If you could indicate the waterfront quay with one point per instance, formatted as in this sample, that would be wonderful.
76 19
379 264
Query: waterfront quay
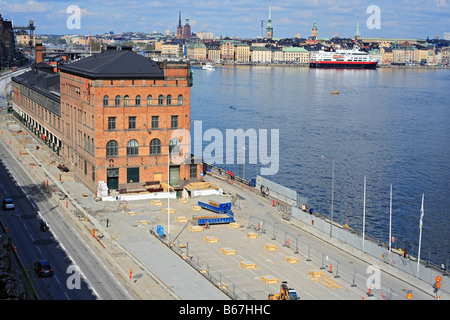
246 260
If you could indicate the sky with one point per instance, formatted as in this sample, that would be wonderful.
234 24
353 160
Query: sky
240 18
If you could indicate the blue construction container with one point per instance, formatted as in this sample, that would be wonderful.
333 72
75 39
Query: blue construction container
224 207
216 219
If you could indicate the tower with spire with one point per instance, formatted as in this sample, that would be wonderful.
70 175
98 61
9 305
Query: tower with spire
179 28
357 35
269 28
314 31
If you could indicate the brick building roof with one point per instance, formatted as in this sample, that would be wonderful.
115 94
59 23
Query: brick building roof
115 64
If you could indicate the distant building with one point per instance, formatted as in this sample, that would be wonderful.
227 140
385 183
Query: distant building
260 54
387 55
227 50
196 50
241 52
296 54
446 35
170 49
276 54
7 43
213 52
205 35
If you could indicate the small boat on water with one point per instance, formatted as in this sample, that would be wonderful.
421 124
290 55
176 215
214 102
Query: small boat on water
335 92
208 66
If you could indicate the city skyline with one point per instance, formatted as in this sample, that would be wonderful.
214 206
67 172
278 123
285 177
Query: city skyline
402 19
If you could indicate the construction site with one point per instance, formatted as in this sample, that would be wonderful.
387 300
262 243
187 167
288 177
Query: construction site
215 234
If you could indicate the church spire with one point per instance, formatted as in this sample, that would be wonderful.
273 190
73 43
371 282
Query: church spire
269 28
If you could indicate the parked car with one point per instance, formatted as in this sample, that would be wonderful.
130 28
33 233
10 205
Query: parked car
43 268
8 204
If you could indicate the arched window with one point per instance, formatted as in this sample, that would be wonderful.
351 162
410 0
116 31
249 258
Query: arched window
155 147
180 100
160 100
105 101
132 148
117 101
169 100
149 100
138 100
112 148
126 101
174 146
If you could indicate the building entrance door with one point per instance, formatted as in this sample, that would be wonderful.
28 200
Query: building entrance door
112 180
174 175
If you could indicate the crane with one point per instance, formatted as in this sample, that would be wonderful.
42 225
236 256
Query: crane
31 28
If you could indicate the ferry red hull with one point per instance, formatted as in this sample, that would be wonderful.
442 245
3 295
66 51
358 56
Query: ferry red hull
343 64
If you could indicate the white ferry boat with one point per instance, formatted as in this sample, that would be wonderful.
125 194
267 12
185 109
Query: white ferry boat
208 66
347 59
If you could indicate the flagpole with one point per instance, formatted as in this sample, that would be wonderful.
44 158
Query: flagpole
390 227
364 214
420 236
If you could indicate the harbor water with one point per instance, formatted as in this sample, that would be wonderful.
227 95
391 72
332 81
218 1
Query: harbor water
388 125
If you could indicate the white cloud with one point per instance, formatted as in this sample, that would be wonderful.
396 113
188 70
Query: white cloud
30 6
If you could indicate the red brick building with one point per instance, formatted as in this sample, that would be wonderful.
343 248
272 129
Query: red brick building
118 118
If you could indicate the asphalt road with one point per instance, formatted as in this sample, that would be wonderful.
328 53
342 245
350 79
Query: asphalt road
78 273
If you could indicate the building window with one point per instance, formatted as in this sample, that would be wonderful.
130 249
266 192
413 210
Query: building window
155 147
126 101
105 101
174 122
160 100
131 123
132 175
174 146
169 100
138 100
132 148
193 171
149 100
112 149
117 101
155 122
180 100
111 123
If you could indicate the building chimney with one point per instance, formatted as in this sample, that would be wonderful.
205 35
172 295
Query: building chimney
39 51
